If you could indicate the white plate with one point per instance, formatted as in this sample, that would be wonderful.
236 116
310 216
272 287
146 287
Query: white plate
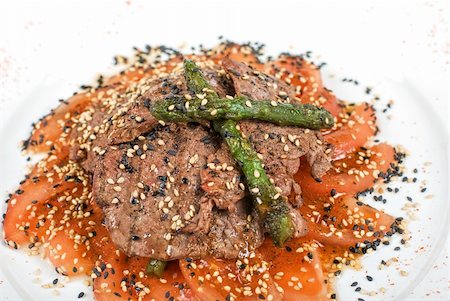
49 49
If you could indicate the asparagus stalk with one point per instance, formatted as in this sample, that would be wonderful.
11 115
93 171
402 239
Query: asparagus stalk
241 107
270 205
156 267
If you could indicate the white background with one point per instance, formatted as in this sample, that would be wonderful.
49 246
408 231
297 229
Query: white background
65 44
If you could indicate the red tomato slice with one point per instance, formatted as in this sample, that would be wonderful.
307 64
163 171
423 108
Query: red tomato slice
69 251
21 217
242 279
122 278
42 213
355 126
354 174
50 127
344 221
296 269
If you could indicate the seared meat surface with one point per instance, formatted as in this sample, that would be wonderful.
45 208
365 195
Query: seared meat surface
170 191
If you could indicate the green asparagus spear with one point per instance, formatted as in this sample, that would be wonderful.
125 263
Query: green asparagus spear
241 107
270 205
207 105
273 209
156 267
195 80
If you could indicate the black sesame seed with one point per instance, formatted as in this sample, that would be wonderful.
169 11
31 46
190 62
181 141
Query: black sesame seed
172 152
80 295
369 278
354 284
333 192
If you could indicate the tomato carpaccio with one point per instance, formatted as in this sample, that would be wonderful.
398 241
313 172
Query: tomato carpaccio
53 211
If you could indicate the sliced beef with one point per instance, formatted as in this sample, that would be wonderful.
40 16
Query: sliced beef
280 146
135 117
221 180
151 193
255 84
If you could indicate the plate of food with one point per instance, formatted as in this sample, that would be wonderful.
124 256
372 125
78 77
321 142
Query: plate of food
222 173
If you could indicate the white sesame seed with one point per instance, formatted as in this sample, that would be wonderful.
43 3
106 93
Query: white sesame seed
255 190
